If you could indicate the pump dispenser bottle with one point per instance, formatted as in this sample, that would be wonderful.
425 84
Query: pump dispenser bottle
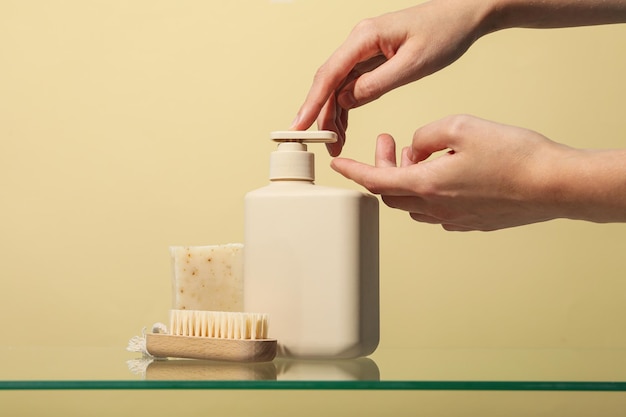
311 257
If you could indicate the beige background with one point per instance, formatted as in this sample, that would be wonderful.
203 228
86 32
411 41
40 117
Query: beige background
129 126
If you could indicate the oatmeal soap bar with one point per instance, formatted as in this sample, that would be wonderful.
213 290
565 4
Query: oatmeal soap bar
207 277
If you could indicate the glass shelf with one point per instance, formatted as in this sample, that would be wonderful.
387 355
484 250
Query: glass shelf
92 368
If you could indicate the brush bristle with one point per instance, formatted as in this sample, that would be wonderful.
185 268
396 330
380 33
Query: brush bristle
218 324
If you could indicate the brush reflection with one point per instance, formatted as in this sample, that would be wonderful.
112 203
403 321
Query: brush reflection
280 369
201 370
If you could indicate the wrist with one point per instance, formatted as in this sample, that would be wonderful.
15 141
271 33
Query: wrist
506 14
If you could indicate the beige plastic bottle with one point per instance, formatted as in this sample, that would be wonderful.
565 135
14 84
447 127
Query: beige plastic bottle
311 257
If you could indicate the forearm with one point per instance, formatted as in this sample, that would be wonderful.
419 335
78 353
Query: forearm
590 185
552 13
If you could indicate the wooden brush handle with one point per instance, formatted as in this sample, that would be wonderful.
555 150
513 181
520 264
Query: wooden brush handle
192 347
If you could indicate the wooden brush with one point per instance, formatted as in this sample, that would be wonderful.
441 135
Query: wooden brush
214 335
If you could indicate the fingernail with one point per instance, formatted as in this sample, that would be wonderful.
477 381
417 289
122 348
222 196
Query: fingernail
346 100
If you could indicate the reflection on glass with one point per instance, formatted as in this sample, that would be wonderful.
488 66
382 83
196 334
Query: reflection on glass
362 369
201 370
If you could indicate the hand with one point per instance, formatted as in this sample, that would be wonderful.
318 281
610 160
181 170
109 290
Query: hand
394 49
386 52
490 177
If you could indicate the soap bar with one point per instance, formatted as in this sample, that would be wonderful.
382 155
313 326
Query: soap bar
207 277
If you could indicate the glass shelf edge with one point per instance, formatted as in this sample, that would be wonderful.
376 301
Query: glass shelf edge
316 385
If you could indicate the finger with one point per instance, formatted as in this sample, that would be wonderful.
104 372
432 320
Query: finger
339 125
456 228
423 218
329 120
334 149
343 119
390 72
331 75
411 203
385 155
429 139
327 115
405 161
345 92
378 180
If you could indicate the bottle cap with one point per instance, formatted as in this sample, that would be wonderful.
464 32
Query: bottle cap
291 161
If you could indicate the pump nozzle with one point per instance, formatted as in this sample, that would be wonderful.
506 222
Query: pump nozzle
291 161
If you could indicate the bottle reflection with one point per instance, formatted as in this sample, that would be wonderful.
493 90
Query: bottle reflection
361 369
